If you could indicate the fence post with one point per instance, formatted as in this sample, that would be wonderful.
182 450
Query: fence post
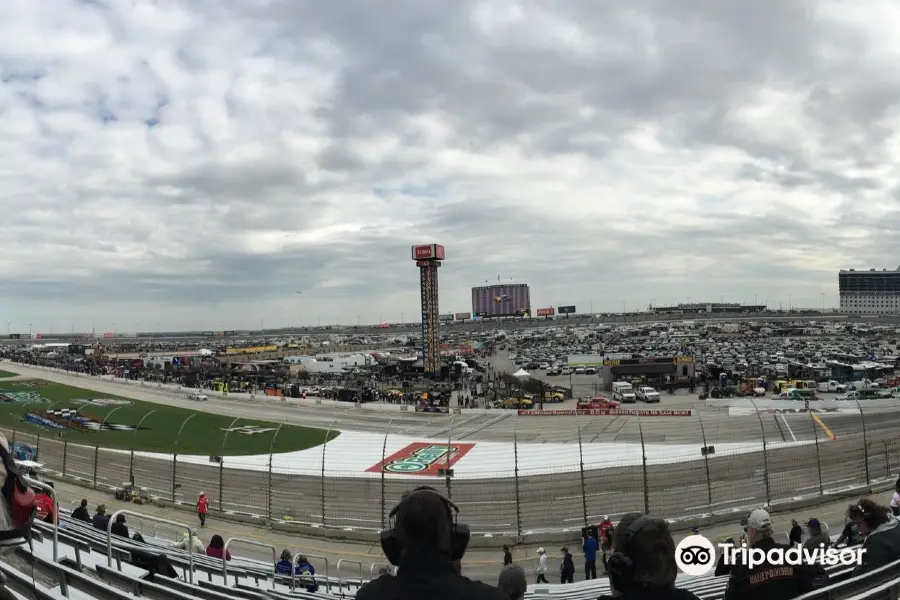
584 511
37 446
13 437
447 477
765 450
862 417
65 455
516 478
322 476
706 460
387 432
97 443
222 465
269 492
644 468
818 456
175 455
133 441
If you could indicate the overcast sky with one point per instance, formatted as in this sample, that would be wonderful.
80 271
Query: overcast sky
170 163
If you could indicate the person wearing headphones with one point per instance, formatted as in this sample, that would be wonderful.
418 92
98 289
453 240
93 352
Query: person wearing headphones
881 530
424 540
767 581
642 566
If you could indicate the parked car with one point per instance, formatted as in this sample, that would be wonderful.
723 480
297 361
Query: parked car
648 394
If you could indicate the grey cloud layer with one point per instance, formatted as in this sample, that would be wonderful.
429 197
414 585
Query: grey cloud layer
198 160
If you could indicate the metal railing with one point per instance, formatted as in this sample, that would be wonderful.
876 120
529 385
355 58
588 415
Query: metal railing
297 556
55 522
112 520
250 543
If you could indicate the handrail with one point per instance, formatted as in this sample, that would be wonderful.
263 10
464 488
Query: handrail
251 543
55 522
294 569
112 519
349 561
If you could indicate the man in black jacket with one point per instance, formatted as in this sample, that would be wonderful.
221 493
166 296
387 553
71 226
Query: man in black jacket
81 513
567 568
796 535
423 525
767 581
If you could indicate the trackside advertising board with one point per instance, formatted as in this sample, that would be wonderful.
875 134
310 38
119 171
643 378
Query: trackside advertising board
605 411
422 458
546 312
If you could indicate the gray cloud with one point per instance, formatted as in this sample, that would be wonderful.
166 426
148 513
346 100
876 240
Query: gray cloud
192 161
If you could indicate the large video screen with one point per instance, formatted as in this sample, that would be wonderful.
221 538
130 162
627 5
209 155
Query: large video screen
510 300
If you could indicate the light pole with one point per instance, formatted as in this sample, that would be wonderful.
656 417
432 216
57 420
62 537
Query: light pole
7 328
823 302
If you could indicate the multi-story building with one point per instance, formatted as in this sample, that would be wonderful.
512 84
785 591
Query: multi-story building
870 292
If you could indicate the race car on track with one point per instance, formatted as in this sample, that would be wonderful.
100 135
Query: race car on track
597 403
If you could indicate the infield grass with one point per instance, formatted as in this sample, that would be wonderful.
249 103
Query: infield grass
7 374
203 434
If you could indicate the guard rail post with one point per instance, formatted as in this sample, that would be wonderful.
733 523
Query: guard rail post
341 578
322 474
294 570
251 543
65 456
383 482
112 519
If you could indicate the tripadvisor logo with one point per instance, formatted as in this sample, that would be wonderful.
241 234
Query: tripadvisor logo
422 459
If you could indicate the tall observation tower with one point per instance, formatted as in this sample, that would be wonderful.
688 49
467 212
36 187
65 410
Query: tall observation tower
428 258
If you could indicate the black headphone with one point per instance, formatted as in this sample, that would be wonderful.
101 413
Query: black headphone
459 533
620 566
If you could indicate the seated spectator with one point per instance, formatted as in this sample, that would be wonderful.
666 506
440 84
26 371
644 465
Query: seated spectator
216 548
119 528
817 537
643 565
81 513
882 534
192 543
849 535
286 564
767 581
423 541
101 520
512 582
307 572
721 567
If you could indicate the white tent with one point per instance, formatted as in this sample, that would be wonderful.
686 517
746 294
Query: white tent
521 373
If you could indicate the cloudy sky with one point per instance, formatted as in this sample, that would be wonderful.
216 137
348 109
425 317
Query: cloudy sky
196 163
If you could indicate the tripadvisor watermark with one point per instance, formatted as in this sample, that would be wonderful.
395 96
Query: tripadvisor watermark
696 555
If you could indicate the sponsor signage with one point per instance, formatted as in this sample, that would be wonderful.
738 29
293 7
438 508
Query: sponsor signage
428 252
248 429
251 350
565 310
422 458
15 336
446 318
605 411
684 360
546 312
108 335
432 409
230 332
207 333
463 316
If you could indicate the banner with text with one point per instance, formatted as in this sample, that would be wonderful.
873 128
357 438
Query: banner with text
463 316
546 312
616 412
566 310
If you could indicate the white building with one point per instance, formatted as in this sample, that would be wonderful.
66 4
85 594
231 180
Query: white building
869 292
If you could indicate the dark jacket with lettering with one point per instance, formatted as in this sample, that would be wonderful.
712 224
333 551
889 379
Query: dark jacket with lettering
882 547
427 575
653 593
768 581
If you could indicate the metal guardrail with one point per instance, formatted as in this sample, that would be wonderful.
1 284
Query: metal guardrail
52 493
112 520
324 559
251 543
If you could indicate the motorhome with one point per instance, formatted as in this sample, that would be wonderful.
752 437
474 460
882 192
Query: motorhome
623 391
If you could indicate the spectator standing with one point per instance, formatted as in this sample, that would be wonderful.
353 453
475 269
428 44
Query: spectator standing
643 564
81 513
567 568
881 530
101 520
589 546
202 508
507 556
817 538
796 535
542 566
216 548
119 527
766 581
895 500
512 582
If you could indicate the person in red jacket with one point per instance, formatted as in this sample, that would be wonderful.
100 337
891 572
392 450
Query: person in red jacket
202 508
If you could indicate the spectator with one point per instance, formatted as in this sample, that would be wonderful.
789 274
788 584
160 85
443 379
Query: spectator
119 528
307 574
881 531
216 548
895 500
849 535
512 582
45 507
796 535
817 538
192 543
101 520
202 508
423 542
606 529
507 556
286 564
721 567
542 566
589 547
643 562
81 513
567 568
766 581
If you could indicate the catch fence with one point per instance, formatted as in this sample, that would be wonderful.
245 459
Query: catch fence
524 488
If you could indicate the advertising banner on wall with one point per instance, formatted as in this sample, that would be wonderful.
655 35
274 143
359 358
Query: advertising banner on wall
463 316
604 412
448 318
545 312
566 310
